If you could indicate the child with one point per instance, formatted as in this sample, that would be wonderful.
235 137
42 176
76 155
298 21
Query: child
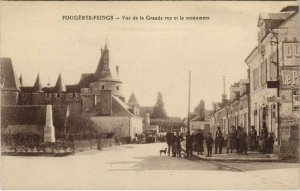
209 142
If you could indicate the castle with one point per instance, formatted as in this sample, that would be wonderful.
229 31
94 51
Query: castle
98 95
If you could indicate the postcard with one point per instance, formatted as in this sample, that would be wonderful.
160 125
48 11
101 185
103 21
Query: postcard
170 95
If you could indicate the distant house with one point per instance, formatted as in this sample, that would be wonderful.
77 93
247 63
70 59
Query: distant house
196 124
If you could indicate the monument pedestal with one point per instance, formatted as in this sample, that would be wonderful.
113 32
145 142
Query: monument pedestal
49 131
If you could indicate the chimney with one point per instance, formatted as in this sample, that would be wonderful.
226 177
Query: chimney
117 69
49 131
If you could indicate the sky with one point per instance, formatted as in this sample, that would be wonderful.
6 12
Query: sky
152 55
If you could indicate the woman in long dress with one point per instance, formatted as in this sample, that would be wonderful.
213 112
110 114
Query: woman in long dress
253 137
199 138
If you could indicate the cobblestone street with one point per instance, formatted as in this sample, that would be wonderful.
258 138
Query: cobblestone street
141 167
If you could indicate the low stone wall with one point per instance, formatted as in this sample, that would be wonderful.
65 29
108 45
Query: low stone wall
61 147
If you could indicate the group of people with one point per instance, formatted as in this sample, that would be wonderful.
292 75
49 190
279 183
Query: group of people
174 143
194 142
264 143
237 139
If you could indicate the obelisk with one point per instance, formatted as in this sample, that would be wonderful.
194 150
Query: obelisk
49 131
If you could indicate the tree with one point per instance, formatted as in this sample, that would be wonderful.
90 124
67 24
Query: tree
81 126
158 109
200 110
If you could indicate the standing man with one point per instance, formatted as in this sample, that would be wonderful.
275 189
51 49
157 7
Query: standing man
177 145
170 139
264 137
189 144
209 143
238 139
243 142
232 138
219 140
270 143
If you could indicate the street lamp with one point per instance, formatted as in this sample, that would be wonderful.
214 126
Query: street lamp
276 42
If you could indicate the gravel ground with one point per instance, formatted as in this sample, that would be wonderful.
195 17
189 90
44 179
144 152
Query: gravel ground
141 167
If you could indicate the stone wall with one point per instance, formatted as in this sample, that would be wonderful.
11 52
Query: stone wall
9 97
119 125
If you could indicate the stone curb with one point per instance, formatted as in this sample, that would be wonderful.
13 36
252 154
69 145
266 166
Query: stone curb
272 159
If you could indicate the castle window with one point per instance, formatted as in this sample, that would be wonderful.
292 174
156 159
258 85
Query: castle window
103 87
58 94
118 88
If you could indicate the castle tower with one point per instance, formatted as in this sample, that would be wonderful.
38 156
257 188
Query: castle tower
133 104
103 70
10 84
106 78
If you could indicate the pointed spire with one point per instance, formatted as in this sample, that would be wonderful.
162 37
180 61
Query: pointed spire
103 71
21 80
60 86
37 85
132 100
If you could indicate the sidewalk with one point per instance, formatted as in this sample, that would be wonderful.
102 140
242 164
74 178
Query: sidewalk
253 156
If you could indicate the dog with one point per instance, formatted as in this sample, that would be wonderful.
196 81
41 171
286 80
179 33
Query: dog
163 151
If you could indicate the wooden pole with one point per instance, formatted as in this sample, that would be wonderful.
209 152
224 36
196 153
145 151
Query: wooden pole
189 104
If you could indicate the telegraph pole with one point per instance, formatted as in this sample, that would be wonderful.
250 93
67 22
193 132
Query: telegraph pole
274 34
188 114
189 104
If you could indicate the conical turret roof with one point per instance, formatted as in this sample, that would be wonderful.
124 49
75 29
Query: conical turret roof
9 80
59 86
103 72
132 100
37 85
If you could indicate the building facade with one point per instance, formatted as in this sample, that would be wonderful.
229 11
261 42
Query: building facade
270 96
232 112
274 74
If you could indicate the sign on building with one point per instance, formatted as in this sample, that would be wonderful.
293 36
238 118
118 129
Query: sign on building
290 78
290 54
285 132
296 99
